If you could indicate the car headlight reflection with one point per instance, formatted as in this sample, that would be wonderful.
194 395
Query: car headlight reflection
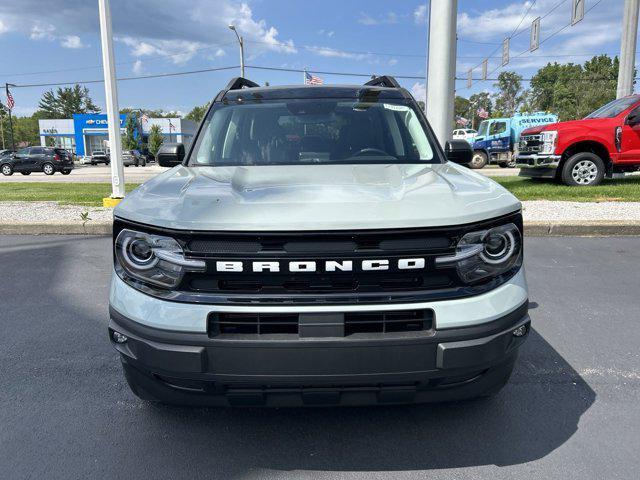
153 259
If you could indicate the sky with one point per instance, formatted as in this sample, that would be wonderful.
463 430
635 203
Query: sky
59 41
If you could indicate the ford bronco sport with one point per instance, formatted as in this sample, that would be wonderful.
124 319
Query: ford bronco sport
314 246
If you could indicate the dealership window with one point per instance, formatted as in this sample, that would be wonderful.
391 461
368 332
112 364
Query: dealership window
61 141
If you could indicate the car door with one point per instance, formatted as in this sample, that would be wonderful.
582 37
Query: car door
498 138
37 156
630 141
21 160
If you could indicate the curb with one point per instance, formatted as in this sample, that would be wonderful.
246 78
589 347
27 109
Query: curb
593 228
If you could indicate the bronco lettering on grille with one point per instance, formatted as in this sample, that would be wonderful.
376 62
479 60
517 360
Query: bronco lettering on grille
309 266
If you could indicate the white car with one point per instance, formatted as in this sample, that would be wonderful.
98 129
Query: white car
316 246
467 134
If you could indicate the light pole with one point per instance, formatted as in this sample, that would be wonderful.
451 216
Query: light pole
628 48
441 67
111 99
241 42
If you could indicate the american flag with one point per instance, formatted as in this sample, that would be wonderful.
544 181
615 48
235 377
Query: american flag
312 79
172 127
10 102
144 118
462 121
482 113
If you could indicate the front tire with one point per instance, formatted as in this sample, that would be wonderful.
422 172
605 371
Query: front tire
479 160
7 170
48 169
583 169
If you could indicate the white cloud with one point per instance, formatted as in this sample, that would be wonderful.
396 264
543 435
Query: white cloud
41 31
71 41
137 67
420 14
203 25
368 20
419 91
334 53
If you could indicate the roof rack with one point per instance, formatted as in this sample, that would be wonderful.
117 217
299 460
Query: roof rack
239 82
383 81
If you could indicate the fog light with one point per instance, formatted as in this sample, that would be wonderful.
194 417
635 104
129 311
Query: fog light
120 338
518 332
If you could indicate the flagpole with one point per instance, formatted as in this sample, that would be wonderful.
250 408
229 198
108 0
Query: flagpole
13 142
2 125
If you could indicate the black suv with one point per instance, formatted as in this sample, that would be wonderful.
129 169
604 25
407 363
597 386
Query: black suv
37 159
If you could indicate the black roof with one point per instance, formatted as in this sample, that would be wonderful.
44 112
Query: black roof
372 90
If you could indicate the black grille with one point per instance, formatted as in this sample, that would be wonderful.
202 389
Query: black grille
350 323
388 322
322 286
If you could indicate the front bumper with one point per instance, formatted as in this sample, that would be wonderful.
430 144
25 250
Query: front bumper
539 166
195 369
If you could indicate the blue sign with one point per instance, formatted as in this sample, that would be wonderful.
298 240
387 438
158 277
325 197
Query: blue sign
92 124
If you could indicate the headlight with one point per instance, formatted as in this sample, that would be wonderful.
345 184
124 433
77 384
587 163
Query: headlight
486 253
548 141
153 259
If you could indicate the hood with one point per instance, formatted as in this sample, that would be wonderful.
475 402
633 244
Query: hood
316 197
569 124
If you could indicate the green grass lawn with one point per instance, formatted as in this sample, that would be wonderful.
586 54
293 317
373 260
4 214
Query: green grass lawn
89 194
622 190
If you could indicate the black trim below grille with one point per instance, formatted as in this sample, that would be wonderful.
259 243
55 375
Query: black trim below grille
296 325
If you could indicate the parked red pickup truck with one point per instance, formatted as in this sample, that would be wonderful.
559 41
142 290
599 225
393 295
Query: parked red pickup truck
583 152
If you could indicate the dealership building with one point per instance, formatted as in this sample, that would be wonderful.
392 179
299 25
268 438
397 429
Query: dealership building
87 132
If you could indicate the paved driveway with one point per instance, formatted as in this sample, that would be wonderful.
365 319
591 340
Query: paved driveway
571 411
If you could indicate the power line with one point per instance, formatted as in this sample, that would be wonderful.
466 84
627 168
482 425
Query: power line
124 79
146 59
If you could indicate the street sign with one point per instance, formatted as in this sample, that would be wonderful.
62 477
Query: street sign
484 69
577 11
505 51
470 78
535 35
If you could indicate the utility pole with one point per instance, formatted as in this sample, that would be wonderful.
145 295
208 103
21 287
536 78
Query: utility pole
111 98
241 42
441 67
628 48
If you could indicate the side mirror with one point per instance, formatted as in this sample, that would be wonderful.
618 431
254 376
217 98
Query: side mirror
458 151
633 118
170 154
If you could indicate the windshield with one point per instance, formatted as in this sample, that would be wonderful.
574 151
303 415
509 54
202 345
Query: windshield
319 131
482 129
615 108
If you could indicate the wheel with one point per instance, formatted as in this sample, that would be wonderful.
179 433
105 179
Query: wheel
66 172
25 173
48 169
93 163
144 163
7 170
479 160
584 169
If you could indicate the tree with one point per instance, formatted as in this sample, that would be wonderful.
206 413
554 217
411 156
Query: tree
67 101
509 95
129 141
198 112
461 108
155 139
478 101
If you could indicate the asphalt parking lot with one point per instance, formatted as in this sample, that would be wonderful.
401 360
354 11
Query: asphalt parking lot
571 411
